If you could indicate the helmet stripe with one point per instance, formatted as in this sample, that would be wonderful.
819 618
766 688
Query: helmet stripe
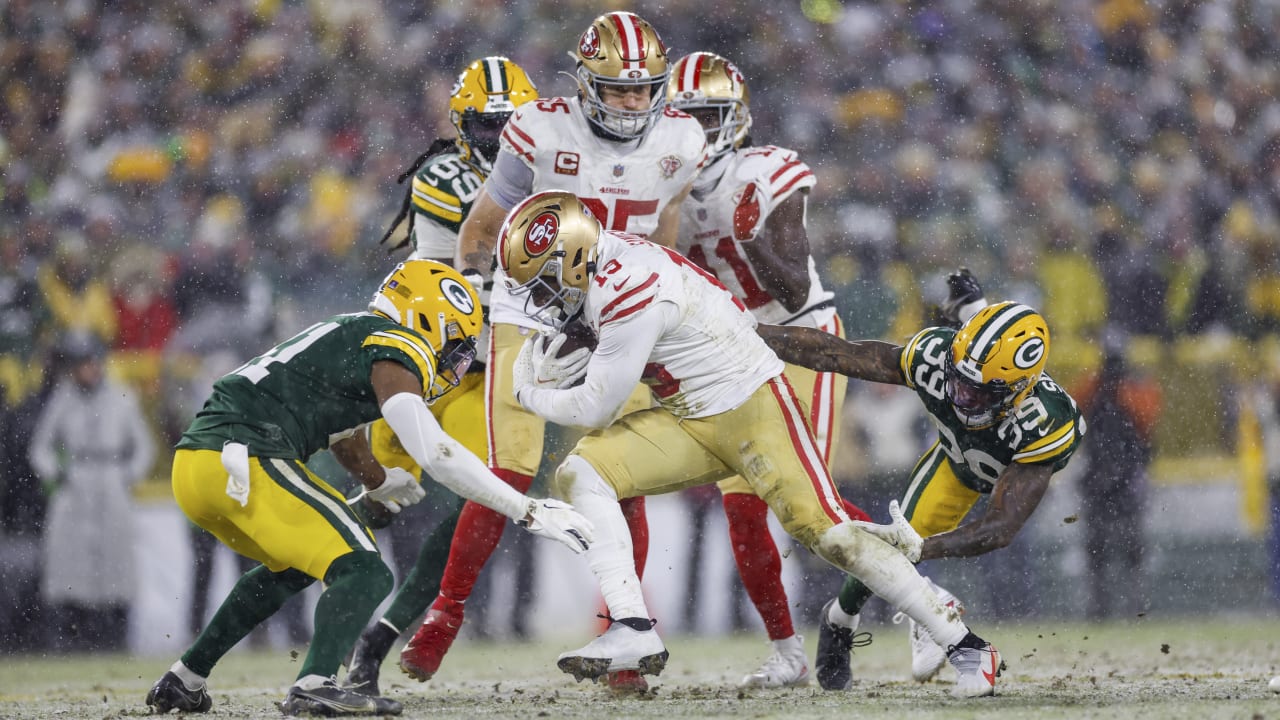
693 72
628 27
994 328
495 77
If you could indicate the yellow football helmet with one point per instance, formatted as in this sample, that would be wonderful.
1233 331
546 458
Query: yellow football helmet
547 248
711 89
484 96
435 301
621 49
995 361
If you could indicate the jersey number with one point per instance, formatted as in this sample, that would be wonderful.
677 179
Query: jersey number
624 210
727 250
468 184
259 367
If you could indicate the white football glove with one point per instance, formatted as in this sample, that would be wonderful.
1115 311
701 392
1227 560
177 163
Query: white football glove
898 533
483 288
399 489
559 521
538 366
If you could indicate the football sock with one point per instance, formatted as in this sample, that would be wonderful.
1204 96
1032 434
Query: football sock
638 524
257 595
355 585
610 557
422 583
758 562
477 535
853 595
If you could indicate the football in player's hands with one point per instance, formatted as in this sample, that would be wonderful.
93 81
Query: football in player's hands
578 335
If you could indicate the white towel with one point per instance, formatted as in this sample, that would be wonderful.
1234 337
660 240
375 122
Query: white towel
235 458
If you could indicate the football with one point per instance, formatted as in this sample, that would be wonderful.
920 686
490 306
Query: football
578 335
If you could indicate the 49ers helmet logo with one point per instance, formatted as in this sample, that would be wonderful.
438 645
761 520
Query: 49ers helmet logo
541 234
589 44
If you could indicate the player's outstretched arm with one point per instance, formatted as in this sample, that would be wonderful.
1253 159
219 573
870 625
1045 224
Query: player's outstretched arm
668 230
1016 495
452 465
823 352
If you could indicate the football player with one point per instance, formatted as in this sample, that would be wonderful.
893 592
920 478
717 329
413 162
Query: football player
446 180
724 407
1004 428
238 472
632 159
744 222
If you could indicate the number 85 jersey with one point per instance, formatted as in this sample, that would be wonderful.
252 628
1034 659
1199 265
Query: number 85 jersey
1044 429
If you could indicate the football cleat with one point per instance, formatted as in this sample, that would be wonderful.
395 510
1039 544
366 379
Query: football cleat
366 659
328 699
627 682
835 645
169 693
786 666
927 656
421 658
621 647
976 668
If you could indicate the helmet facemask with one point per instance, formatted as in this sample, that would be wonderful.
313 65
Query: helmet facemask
548 299
979 405
481 131
457 352
616 122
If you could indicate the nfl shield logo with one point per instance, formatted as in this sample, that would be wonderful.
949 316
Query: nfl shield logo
702 214
618 170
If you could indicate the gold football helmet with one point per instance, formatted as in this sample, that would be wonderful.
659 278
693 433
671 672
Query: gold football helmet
711 89
435 301
995 361
621 49
547 248
484 96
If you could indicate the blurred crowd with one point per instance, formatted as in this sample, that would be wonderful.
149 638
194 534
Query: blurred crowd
189 180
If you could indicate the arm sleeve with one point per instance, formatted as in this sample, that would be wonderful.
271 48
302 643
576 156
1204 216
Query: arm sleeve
510 182
616 366
446 460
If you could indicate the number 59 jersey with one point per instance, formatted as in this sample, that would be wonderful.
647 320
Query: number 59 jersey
626 185
1045 429
309 390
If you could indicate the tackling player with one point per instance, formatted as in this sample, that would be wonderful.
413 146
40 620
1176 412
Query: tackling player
744 222
724 407
446 180
1004 428
632 159
238 472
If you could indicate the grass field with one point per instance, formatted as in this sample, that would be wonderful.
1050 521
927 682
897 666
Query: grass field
1140 669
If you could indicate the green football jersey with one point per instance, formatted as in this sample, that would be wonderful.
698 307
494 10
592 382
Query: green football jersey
309 390
1045 429
443 191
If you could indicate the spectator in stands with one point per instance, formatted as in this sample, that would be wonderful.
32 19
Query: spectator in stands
91 445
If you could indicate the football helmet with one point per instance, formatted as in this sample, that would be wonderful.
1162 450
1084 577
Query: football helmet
435 301
995 361
711 89
547 249
482 100
621 49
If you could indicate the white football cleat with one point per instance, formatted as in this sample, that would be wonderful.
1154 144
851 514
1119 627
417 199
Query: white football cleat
927 656
786 666
976 670
621 647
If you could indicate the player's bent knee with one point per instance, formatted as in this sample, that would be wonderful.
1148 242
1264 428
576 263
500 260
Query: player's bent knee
576 477
841 545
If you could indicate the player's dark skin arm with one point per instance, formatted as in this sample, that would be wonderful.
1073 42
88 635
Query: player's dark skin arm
1015 497
353 453
823 352
478 235
775 249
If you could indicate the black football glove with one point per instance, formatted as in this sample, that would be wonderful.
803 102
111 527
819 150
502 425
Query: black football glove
963 291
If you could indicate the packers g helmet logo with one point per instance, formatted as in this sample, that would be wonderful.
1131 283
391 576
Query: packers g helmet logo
541 234
457 295
1029 353
589 44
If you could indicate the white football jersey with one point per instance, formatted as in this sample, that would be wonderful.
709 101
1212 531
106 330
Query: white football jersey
708 364
715 222
625 185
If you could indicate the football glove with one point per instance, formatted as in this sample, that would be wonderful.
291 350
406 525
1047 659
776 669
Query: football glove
483 288
559 521
964 297
897 533
538 366
399 489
